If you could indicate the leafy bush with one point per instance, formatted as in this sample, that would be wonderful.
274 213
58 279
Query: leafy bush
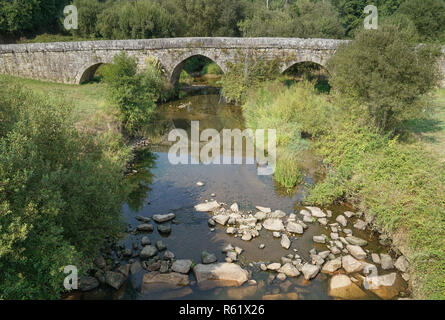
246 75
212 68
135 94
384 76
60 194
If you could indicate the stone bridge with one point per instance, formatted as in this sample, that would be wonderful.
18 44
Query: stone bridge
76 62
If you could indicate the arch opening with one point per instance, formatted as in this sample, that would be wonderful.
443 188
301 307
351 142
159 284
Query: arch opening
93 73
308 70
196 70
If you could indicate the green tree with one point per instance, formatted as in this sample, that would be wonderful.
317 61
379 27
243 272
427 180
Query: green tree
384 75
135 94
61 192
88 11
428 16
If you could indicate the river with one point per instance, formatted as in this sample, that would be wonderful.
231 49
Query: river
173 188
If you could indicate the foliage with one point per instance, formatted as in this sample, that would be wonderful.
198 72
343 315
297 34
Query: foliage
60 194
88 12
135 94
290 111
427 15
211 68
136 20
304 19
28 17
384 76
245 75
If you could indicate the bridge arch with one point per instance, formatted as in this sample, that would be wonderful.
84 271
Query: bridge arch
180 63
314 59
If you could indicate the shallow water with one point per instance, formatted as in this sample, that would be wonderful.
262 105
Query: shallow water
173 188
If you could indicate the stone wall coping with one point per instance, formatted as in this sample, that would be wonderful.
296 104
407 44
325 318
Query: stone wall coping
175 43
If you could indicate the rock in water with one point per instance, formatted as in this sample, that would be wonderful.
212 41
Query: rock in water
160 218
208 258
182 266
310 271
294 227
234 207
219 275
148 252
221 219
273 224
340 286
145 227
351 265
316 212
164 228
386 261
88 283
285 242
114 279
155 281
289 270
207 206
356 241
342 220
331 266
356 251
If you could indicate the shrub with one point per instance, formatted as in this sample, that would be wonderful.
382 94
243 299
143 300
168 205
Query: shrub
60 194
135 94
243 76
384 76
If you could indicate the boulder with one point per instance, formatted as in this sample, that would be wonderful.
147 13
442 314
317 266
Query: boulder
331 266
385 286
386 261
289 270
164 228
260 215
356 251
294 227
234 207
208 258
160 218
360 224
114 279
340 286
155 281
285 242
219 275
273 224
274 266
316 212
221 219
342 220
356 241
145 227
87 283
207 206
148 252
401 264
351 265
319 239
310 271
145 241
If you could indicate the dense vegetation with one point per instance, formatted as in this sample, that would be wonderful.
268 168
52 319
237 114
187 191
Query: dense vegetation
371 158
61 191
135 93
112 19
